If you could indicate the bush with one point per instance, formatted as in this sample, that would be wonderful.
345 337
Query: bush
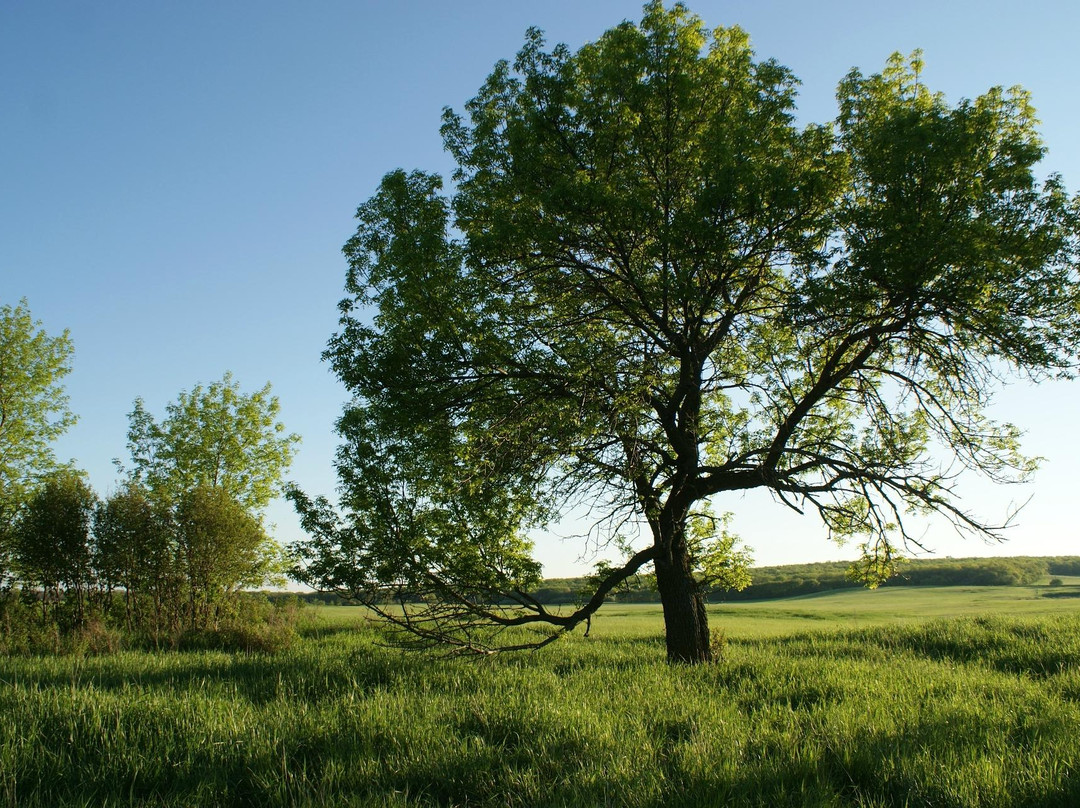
249 623
256 625
265 638
718 644
94 637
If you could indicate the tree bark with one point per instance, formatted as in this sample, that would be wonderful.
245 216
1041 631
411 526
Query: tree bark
685 622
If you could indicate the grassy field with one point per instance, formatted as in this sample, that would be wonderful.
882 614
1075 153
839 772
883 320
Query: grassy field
899 697
850 608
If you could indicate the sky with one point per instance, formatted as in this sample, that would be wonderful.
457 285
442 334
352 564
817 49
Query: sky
177 180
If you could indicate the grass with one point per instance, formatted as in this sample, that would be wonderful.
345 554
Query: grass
890 698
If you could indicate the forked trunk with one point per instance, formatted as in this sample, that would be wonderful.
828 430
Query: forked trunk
685 622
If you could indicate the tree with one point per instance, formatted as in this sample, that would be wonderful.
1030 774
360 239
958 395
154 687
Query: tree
221 549
52 541
33 406
214 436
135 549
651 289
207 469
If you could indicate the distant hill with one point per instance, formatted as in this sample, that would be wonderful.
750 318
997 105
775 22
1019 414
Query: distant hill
771 583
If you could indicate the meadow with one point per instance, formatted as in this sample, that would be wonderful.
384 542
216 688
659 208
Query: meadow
895 697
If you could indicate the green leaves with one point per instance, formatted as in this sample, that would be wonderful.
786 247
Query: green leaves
33 406
944 220
719 562
197 483
220 546
51 537
213 436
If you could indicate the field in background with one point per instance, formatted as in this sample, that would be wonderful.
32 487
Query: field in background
944 697
829 611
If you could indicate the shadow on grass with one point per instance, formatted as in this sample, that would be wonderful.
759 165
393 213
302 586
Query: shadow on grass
258 679
1038 648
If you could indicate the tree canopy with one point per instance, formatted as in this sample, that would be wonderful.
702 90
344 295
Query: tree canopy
221 548
33 405
51 540
651 288
213 436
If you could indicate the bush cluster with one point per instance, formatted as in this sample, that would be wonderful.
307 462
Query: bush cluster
82 574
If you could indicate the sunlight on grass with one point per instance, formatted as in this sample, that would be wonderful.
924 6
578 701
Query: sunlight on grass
885 698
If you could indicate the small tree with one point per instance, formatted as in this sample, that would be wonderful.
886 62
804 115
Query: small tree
221 548
135 549
33 407
52 541
651 289
213 462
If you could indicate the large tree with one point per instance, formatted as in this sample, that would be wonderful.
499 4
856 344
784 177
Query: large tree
33 406
651 289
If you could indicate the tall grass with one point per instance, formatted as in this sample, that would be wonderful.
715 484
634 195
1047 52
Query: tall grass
976 711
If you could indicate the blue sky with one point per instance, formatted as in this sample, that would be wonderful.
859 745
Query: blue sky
177 179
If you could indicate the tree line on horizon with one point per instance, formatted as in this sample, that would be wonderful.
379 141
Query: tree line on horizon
791 580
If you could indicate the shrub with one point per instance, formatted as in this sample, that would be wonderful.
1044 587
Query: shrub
255 625
94 637
265 638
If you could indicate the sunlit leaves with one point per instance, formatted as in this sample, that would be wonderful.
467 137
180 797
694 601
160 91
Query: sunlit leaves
719 562
214 436
51 537
33 405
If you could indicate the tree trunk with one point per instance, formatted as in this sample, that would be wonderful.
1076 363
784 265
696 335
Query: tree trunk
685 621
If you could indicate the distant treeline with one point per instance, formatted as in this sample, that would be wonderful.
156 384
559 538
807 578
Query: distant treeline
804 579
769 583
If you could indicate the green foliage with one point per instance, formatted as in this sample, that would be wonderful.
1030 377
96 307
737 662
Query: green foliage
33 408
650 289
52 541
793 580
167 552
135 550
221 548
1064 565
196 484
719 563
878 563
248 623
975 572
213 436
148 573
255 626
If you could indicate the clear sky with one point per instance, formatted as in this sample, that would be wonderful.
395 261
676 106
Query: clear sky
177 179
